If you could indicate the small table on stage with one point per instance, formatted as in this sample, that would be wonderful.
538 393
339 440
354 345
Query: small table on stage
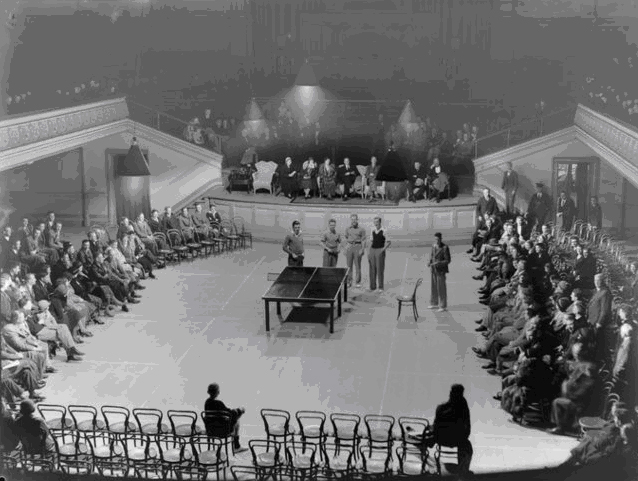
308 285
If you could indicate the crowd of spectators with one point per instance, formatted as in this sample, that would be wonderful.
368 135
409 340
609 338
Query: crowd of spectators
50 292
554 333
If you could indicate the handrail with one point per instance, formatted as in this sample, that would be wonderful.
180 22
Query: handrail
169 124
525 131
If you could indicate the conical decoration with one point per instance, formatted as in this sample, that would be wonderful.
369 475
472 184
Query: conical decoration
135 164
408 115
253 112
306 76
392 169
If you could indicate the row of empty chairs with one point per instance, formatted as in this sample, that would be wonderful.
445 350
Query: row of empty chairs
145 443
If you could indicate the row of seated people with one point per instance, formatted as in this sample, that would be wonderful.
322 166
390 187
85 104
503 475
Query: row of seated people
550 330
49 295
328 181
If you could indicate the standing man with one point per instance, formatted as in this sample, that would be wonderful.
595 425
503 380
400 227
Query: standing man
539 207
376 255
293 246
438 264
595 214
599 315
331 244
355 247
485 207
565 212
510 186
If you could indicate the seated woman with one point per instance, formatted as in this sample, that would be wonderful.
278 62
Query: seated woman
328 179
371 176
288 178
309 177
438 181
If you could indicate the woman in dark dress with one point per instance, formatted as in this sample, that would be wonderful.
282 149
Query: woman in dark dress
309 177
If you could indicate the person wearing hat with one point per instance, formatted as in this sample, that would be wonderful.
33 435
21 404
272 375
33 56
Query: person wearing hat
33 432
439 260
50 330
539 207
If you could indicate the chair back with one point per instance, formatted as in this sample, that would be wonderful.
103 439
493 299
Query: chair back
265 454
276 421
175 238
416 286
265 171
207 450
55 416
311 423
227 228
117 419
218 423
379 427
150 421
239 224
338 458
412 461
345 426
414 431
183 423
85 418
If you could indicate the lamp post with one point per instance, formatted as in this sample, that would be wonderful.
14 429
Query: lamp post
540 107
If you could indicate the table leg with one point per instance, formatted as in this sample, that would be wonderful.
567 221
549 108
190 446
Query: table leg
345 291
339 305
267 316
332 317
279 308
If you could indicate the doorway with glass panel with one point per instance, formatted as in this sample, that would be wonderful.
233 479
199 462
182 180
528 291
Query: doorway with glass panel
578 177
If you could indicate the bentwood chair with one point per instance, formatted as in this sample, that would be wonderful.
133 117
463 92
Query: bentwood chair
345 430
118 421
56 418
412 461
218 426
376 464
176 243
208 453
301 461
311 427
151 422
277 425
240 226
339 461
379 432
86 419
73 453
410 300
415 432
267 458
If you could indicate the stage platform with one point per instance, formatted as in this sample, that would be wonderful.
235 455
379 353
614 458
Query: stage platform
270 217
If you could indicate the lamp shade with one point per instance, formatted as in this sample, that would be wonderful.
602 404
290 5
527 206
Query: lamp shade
135 164
306 76
253 112
392 169
408 116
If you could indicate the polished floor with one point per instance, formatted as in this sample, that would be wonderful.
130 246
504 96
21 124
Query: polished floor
203 321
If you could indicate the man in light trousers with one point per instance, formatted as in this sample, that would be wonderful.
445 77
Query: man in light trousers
356 243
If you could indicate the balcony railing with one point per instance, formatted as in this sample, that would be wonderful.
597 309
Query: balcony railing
170 125
524 131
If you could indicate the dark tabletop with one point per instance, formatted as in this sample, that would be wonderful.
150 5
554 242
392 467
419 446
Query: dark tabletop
307 283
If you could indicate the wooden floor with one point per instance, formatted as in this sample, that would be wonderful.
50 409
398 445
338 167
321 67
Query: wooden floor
203 321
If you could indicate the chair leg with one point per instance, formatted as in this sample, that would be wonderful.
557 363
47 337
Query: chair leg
416 312
399 314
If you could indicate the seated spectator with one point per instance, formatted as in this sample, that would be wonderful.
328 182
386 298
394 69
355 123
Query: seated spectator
214 404
101 274
576 393
85 255
144 233
129 248
346 175
288 178
19 341
417 182
200 222
328 179
371 177
48 329
309 177
437 181
9 439
584 268
168 222
212 215
452 427
33 432
76 310
186 225
22 372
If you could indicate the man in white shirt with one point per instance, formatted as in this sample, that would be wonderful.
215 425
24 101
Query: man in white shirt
379 243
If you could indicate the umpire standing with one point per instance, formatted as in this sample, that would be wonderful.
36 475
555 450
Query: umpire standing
438 264
376 255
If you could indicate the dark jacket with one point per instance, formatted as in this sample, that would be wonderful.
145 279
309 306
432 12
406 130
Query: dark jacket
599 309
595 216
510 181
452 423
440 258
539 207
486 207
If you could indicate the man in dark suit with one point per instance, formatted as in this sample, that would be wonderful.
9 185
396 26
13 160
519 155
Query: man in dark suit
213 404
485 206
288 178
595 213
417 182
169 221
85 256
510 186
5 244
346 175
521 228
452 427
438 264
539 208
584 269
565 212
599 316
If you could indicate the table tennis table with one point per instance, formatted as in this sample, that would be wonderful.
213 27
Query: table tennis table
308 285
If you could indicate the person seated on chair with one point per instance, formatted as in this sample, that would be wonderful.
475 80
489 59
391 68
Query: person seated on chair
437 181
346 175
212 215
214 404
200 221
452 427
371 176
328 179
144 232
168 221
288 179
186 225
309 177
33 432
417 182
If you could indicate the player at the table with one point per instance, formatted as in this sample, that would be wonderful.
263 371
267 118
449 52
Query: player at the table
379 243
331 243
438 263
356 243
293 246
